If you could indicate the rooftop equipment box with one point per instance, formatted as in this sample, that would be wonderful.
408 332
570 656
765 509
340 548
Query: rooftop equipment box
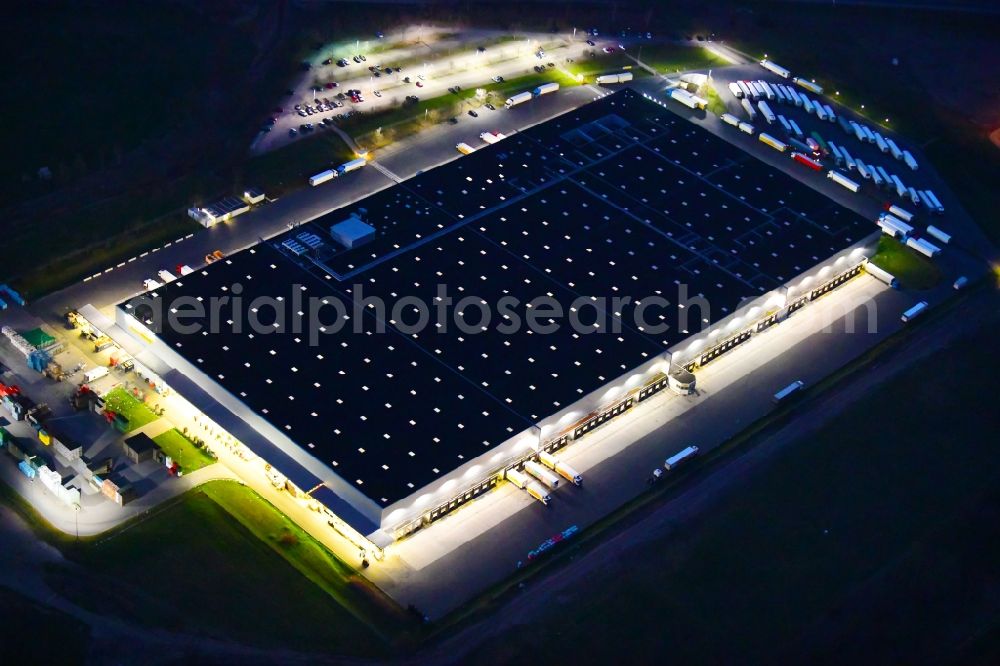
352 232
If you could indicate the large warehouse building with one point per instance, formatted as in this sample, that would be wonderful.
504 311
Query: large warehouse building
391 428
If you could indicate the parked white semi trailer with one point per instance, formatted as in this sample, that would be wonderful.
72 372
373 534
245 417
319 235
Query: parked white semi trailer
901 213
353 165
561 468
934 200
787 392
519 98
881 275
539 492
545 89
322 177
545 476
774 143
730 119
686 454
689 100
923 247
938 234
748 107
766 111
517 477
777 69
915 311
621 77
843 180
894 149
808 85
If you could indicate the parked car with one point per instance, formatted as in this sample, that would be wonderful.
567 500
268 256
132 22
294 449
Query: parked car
498 79
490 107
419 84
328 61
473 113
609 49
590 42
377 93
292 131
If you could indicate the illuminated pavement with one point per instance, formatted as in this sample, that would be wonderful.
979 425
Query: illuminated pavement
449 63
439 568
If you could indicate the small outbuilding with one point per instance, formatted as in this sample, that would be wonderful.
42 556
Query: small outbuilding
139 448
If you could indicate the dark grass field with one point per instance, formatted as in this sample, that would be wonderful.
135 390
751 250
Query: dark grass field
34 634
914 270
225 564
874 541
85 87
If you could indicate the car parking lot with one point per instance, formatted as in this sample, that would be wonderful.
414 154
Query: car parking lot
343 86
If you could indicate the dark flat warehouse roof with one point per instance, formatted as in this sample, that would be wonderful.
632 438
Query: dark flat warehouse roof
618 198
